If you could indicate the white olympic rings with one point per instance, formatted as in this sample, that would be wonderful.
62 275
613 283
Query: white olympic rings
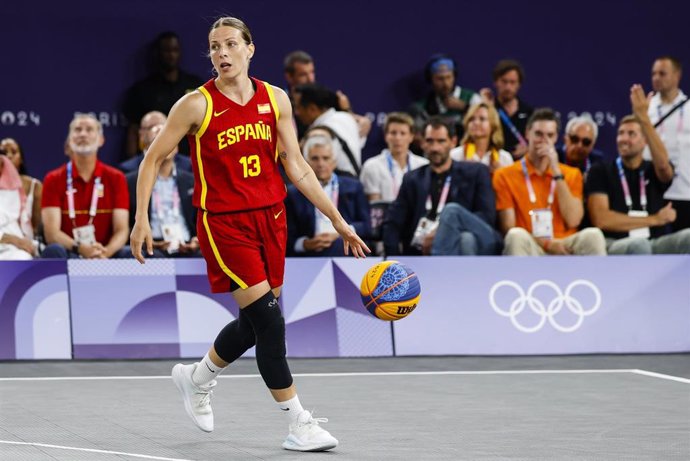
548 312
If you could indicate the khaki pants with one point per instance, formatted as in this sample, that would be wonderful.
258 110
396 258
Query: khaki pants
589 241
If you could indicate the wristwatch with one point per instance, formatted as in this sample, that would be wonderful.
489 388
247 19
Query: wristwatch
558 177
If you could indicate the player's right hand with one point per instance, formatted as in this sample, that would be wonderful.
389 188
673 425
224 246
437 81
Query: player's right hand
141 233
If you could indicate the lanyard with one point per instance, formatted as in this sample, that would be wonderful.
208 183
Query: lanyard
513 129
334 195
70 196
626 188
530 189
175 198
389 160
471 151
442 199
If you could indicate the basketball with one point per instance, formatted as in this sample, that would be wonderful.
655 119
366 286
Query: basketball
390 290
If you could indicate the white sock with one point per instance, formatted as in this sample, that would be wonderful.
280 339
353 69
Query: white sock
292 408
206 371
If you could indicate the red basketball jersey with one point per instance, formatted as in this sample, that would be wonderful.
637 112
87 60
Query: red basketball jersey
234 154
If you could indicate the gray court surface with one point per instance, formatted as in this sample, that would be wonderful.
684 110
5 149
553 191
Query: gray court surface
632 407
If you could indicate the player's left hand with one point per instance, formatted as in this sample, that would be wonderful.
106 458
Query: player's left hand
351 240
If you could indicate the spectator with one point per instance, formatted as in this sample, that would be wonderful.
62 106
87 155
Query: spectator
539 200
508 76
149 122
30 219
483 139
315 106
160 90
446 98
382 174
299 70
171 213
453 197
310 233
14 245
578 144
625 197
674 130
85 202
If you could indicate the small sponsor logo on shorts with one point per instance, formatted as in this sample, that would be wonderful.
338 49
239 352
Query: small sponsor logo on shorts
273 303
275 216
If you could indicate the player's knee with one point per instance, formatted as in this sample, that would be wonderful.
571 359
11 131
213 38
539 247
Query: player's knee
234 339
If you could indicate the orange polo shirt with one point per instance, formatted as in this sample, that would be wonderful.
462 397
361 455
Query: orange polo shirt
511 192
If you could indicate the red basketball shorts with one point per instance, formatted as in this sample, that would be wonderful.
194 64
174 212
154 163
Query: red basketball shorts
243 248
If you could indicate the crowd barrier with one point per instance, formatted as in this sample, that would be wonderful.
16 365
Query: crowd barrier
118 309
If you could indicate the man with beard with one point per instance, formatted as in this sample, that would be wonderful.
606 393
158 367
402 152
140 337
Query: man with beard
508 76
625 196
85 203
445 207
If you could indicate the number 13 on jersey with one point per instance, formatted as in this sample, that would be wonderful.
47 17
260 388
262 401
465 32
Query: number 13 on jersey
251 165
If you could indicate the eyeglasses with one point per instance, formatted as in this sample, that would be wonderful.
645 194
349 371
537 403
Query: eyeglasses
586 142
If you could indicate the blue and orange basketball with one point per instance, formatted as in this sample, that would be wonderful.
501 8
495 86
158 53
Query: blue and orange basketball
390 290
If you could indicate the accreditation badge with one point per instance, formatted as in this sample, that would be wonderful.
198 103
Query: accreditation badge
85 235
173 234
642 232
542 223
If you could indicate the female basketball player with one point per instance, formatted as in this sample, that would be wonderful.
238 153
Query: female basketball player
238 127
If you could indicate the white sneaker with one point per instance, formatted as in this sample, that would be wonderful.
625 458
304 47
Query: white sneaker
197 399
307 435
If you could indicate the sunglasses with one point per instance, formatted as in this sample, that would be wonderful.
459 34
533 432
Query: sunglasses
586 142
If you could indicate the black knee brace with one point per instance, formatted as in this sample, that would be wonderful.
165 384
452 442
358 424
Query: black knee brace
235 339
269 327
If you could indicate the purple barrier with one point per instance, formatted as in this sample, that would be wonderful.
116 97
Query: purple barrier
34 310
555 305
121 309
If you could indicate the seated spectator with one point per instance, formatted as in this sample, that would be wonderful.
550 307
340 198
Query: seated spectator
146 136
539 200
445 207
508 76
85 202
446 98
171 213
310 233
483 139
625 196
299 69
315 105
30 219
382 174
14 245
578 144
159 90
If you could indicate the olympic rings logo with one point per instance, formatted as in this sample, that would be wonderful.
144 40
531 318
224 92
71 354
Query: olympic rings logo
548 311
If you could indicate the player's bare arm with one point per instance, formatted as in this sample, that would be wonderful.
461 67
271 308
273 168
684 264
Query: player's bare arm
185 118
303 177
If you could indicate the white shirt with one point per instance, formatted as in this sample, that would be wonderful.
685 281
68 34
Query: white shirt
162 195
378 177
345 126
675 134
504 157
10 205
